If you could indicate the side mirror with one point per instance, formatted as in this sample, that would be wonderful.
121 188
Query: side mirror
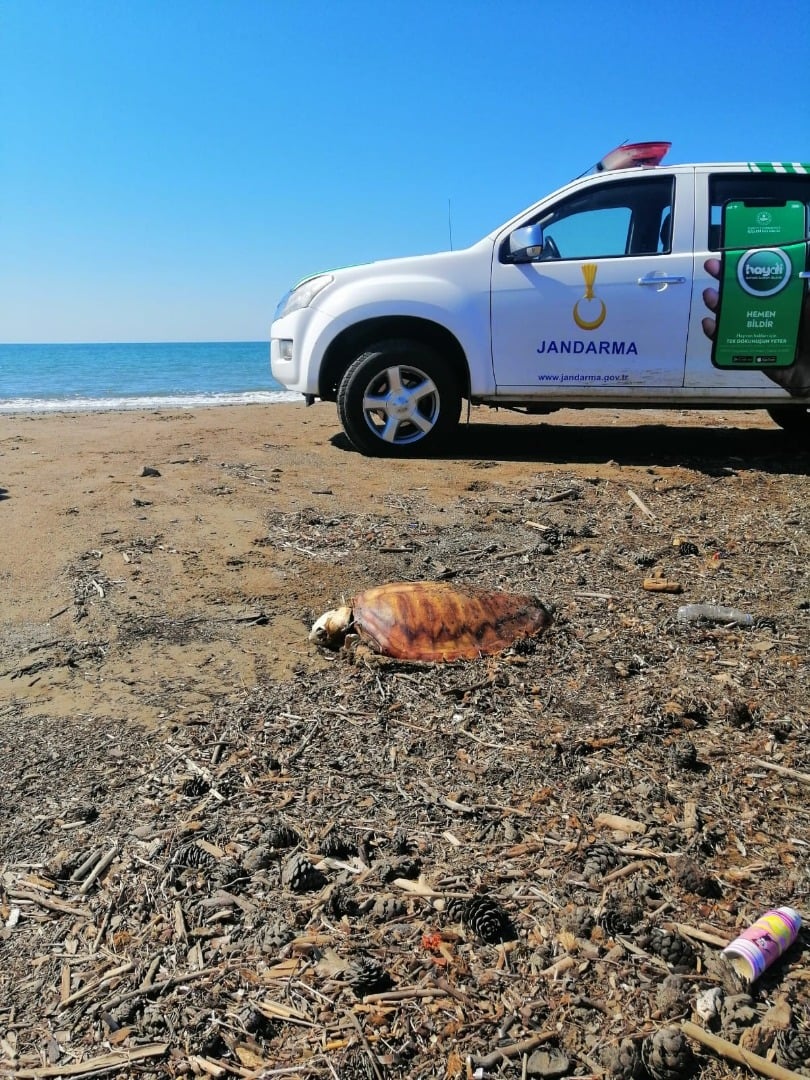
526 244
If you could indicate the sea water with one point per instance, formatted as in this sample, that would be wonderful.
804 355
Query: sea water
68 378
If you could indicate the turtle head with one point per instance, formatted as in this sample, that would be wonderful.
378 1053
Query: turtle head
330 630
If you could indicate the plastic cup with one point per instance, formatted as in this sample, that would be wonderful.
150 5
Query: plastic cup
763 943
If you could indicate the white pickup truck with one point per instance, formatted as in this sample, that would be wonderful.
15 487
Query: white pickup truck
604 293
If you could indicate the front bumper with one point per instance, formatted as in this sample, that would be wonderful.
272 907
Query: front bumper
298 343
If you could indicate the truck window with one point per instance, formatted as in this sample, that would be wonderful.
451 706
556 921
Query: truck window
774 186
629 217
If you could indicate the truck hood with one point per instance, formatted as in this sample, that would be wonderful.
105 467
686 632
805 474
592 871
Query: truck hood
442 264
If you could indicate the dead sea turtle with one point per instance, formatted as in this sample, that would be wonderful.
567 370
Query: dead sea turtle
432 621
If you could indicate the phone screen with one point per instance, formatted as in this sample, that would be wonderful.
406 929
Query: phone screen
761 292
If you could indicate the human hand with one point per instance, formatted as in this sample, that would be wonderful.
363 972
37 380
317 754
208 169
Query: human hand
795 379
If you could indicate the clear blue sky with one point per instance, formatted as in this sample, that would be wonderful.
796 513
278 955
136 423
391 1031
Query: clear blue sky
169 167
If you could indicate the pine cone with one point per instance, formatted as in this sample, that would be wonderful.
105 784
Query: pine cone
400 868
672 997
645 559
258 858
367 975
341 902
486 918
684 754
193 856
357 1066
454 910
690 877
256 1023
620 914
792 1048
276 935
194 787
404 844
335 846
667 1055
299 875
578 920
671 947
686 547
280 835
388 907
600 859
736 1014
624 1060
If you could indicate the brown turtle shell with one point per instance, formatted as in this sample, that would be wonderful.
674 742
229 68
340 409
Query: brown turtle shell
433 621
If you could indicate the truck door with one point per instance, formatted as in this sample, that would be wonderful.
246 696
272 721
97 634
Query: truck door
605 305
714 187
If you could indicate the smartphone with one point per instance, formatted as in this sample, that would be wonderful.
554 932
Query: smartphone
761 290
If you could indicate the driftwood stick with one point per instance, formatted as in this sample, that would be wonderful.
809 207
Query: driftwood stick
405 994
153 989
506 1053
372 1057
50 904
700 935
625 871
116 1060
560 966
736 1053
96 984
85 867
448 988
640 503
103 928
310 735
782 770
99 869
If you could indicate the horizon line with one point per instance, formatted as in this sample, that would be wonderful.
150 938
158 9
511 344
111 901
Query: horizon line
151 341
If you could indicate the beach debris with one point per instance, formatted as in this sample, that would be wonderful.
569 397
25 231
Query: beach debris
686 547
624 1060
667 1055
486 918
432 621
761 945
671 947
548 1063
300 875
657 582
714 613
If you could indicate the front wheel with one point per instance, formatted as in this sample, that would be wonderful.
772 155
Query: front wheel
399 399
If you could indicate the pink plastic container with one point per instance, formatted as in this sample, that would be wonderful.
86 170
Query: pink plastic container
763 943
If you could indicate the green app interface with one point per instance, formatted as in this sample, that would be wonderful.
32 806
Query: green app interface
761 290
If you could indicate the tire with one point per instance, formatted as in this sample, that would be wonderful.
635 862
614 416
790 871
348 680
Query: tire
793 419
399 399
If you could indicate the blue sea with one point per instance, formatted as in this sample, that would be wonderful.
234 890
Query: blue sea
68 378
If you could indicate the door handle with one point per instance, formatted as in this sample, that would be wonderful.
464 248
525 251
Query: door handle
662 279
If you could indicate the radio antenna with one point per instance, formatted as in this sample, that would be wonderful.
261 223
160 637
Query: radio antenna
596 164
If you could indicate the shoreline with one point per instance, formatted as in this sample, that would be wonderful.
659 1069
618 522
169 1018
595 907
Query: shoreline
58 406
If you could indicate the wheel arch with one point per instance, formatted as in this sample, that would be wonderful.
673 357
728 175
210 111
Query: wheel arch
356 339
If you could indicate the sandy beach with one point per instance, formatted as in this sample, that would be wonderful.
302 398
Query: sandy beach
91 545
160 572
